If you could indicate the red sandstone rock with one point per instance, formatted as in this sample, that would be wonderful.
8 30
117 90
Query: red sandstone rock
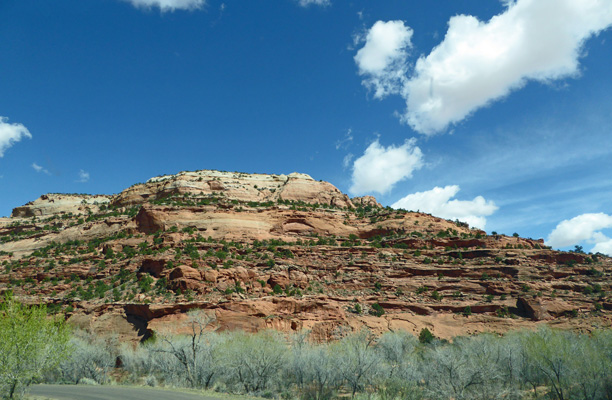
423 270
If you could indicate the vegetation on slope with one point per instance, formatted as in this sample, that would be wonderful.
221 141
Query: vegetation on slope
545 363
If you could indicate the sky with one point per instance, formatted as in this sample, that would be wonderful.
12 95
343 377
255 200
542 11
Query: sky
497 113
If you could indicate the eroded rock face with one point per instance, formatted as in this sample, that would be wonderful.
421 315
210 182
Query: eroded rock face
232 224
57 204
285 252
365 201
299 188
236 186
534 308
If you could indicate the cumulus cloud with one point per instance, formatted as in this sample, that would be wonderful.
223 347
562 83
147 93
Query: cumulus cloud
604 247
169 5
480 62
383 59
306 3
379 168
83 176
38 168
437 201
11 134
585 227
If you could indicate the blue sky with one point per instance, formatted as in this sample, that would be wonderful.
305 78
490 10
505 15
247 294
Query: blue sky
498 113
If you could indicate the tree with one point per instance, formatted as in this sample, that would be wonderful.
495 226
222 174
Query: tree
30 344
312 369
447 373
92 357
399 378
426 336
253 361
591 368
357 361
397 350
194 353
553 353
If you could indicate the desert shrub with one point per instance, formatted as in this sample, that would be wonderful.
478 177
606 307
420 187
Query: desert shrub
543 364
377 310
179 360
313 369
469 368
92 357
356 361
252 363
425 336
399 373
570 365
398 353
422 289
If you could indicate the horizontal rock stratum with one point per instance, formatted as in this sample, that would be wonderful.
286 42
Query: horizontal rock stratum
285 252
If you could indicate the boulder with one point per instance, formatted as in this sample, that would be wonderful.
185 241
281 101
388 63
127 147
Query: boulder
183 271
533 308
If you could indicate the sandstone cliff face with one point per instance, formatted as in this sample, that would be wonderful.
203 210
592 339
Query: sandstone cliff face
288 253
56 204
236 186
365 201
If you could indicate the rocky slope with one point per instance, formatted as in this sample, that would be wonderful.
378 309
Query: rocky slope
289 253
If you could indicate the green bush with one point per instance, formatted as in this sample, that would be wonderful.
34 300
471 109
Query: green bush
377 310
422 289
30 344
425 336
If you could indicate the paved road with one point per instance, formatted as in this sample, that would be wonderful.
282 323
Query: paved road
84 392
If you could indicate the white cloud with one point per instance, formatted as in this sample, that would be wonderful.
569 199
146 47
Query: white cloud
83 176
306 3
379 168
346 161
383 58
346 140
480 62
10 134
438 202
585 227
169 5
38 168
604 247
